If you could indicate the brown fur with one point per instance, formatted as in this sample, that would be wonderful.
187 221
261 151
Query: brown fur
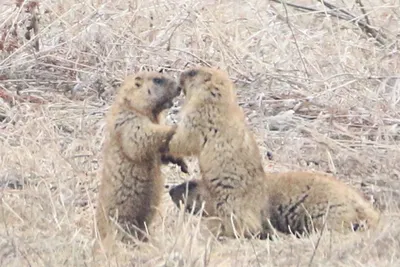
132 183
298 202
213 128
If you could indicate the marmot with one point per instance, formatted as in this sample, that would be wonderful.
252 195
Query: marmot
212 127
297 202
131 183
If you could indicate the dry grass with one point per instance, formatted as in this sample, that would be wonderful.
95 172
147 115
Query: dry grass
319 93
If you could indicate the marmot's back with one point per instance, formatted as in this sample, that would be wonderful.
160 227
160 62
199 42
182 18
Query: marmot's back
297 202
302 200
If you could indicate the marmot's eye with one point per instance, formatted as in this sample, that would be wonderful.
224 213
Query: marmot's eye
158 81
192 73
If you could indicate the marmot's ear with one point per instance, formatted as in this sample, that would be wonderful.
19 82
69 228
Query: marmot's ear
138 81
218 80
207 76
221 77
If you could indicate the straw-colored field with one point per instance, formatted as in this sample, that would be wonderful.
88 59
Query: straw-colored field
321 93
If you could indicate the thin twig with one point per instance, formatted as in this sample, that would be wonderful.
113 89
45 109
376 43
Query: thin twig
335 8
32 8
297 6
365 26
363 11
294 37
334 14
344 15
35 25
320 236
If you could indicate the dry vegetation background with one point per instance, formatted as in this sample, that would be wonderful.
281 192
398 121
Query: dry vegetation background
319 92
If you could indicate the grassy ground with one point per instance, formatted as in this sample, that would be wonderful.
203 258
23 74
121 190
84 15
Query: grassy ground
319 92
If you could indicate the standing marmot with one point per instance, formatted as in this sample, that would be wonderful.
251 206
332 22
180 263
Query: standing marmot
132 183
213 128
298 202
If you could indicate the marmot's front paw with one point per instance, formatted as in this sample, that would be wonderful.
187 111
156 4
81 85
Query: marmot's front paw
166 158
164 148
171 132
183 165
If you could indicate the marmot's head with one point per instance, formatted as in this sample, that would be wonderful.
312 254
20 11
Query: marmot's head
192 195
148 92
207 84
